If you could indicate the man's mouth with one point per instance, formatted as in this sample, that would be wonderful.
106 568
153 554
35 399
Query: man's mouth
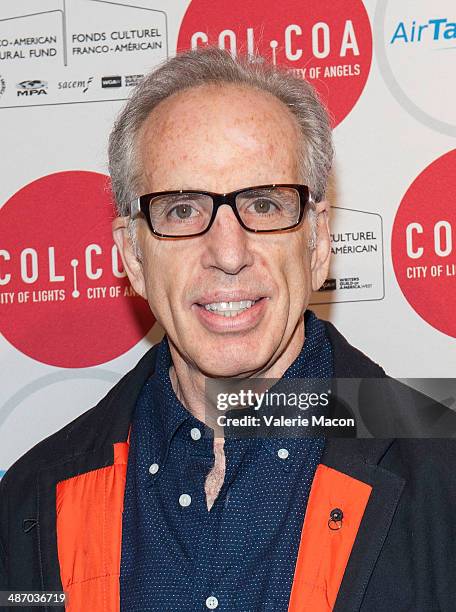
230 309
237 313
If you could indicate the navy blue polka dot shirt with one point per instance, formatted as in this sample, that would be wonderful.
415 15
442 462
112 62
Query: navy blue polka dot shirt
239 556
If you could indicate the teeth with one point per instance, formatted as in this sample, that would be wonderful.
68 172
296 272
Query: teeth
229 309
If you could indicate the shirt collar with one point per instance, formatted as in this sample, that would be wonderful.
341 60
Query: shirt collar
171 414
315 358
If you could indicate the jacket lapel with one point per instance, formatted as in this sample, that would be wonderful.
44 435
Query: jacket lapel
336 559
48 478
360 459
387 488
87 444
336 506
89 527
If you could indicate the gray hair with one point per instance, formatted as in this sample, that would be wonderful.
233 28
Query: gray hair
207 66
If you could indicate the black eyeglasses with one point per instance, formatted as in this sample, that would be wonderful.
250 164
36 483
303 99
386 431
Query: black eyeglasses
184 214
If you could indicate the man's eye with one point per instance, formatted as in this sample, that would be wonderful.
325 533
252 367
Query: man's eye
182 211
263 206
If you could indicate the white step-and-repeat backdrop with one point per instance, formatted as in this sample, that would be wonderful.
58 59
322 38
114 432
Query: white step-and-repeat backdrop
71 325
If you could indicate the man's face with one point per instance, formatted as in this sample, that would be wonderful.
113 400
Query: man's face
223 138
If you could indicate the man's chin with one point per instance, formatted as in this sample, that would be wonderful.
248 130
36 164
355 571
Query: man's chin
231 357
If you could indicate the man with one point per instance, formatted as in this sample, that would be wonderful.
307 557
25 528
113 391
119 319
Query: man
219 171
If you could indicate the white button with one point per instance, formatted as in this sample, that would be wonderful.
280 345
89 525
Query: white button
195 433
185 500
154 468
283 453
211 602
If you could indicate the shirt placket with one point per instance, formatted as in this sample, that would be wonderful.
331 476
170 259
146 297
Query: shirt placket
209 570
199 526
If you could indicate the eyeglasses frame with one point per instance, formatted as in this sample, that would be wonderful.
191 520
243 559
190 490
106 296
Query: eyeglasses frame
141 205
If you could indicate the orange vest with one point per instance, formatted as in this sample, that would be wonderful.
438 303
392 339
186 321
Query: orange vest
89 534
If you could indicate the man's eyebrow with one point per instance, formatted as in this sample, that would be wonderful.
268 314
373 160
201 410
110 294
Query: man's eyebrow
182 196
258 190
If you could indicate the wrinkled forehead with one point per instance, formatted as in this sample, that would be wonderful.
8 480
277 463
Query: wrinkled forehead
218 134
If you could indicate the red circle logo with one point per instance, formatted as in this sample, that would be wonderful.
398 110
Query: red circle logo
424 244
328 43
64 297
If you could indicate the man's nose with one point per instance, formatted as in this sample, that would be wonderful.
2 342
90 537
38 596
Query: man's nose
228 244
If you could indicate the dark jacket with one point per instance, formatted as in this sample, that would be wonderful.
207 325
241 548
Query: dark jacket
395 550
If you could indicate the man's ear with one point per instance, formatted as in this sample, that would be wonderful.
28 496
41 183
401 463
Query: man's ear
322 251
132 265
